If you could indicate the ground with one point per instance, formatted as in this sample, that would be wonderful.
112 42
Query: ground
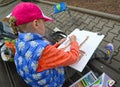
107 6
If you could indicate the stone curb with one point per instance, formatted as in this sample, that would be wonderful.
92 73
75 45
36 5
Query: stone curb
97 13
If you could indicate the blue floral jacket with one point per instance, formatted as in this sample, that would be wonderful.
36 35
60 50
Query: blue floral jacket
29 47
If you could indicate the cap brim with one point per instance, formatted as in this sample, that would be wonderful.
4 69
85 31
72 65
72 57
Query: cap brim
46 18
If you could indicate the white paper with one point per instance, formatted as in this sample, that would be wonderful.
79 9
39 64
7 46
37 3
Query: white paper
88 47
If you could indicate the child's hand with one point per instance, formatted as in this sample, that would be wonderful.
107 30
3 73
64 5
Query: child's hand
61 41
72 38
81 54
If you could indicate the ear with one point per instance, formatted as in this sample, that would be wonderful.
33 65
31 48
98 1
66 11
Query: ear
35 24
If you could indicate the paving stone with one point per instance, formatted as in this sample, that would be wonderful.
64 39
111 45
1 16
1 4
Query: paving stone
95 29
79 21
116 29
82 26
73 27
109 37
92 16
118 83
84 17
116 44
50 25
54 24
117 22
76 14
76 18
114 54
61 17
96 20
91 25
88 20
105 30
117 57
100 24
104 20
117 37
66 29
110 23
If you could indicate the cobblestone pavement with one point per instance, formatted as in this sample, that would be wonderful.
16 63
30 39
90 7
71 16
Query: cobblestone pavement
110 28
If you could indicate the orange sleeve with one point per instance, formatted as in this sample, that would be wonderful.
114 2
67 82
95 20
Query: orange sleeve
53 57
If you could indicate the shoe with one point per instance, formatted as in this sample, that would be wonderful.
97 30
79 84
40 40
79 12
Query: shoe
109 49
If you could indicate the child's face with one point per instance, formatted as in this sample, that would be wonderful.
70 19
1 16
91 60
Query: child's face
42 26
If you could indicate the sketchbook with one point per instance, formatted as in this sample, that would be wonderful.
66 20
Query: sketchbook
93 40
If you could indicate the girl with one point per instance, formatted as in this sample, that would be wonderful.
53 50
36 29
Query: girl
39 63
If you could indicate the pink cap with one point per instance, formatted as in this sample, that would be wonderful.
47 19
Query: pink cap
26 12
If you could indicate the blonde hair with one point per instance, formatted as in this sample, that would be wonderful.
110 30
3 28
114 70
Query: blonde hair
12 20
21 28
